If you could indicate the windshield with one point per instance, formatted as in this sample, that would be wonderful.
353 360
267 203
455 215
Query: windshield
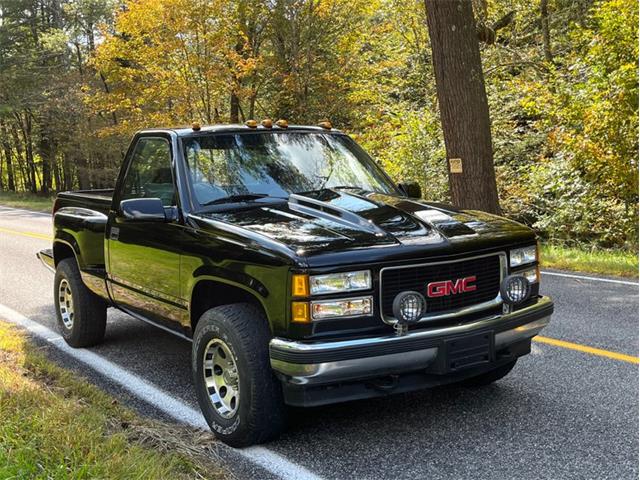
277 164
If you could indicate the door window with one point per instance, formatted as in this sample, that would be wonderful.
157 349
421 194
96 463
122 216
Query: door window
150 174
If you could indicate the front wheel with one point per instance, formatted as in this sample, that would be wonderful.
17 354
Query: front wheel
237 391
82 315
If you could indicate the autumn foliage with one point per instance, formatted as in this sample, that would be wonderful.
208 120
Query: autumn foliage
78 77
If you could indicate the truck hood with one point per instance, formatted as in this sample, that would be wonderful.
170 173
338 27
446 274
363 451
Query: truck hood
330 222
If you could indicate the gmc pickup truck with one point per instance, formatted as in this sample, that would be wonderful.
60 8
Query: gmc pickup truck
301 273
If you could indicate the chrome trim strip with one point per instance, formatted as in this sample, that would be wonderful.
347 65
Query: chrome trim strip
154 324
453 313
44 262
295 346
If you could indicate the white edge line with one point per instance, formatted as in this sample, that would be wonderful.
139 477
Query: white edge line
583 277
169 405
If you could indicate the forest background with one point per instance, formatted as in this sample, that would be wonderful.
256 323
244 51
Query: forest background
79 77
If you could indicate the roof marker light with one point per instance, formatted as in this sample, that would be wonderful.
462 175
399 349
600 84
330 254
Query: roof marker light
282 123
195 126
326 124
267 123
251 123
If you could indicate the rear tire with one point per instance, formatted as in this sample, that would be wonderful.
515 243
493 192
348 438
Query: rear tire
489 377
81 314
239 395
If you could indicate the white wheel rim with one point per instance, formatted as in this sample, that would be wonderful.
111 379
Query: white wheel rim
221 378
65 304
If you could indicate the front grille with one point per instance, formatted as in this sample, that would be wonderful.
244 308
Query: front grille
486 270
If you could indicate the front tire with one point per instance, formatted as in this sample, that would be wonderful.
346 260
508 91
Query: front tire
237 391
81 314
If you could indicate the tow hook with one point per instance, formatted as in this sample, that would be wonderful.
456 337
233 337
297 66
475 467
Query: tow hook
385 384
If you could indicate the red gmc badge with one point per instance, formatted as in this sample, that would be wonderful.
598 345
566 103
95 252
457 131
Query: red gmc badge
444 288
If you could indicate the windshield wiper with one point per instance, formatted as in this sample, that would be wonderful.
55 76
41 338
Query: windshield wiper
244 197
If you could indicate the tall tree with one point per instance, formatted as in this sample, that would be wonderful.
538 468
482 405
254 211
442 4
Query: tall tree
546 35
464 110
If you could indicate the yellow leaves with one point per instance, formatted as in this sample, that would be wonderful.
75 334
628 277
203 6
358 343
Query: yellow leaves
170 61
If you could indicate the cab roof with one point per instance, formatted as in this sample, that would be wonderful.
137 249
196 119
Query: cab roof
237 128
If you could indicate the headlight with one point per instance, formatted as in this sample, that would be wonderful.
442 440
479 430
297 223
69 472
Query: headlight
347 307
522 256
340 282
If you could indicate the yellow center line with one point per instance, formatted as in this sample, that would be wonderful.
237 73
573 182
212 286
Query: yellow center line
26 234
583 348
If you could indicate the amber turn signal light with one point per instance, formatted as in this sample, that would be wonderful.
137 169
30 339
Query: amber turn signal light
300 312
300 285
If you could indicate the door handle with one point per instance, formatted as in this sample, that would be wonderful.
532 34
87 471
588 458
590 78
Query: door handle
114 233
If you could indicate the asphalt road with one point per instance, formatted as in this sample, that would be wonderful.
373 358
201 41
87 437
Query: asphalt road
561 413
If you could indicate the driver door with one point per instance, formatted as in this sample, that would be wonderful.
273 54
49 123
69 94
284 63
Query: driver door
144 256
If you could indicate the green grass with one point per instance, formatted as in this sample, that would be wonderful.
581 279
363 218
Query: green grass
30 201
604 262
54 425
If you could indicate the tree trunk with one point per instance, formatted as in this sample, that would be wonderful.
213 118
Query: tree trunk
46 150
57 175
67 173
82 172
234 108
1 172
24 176
25 128
546 36
11 185
462 98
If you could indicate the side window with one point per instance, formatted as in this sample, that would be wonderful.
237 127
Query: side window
149 174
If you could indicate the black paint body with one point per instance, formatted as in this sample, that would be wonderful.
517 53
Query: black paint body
153 269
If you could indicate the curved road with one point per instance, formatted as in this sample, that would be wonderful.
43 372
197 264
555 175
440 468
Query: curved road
564 411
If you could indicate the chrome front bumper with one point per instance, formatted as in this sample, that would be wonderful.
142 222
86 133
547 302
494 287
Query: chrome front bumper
319 363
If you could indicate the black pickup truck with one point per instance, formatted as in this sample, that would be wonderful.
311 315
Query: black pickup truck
299 271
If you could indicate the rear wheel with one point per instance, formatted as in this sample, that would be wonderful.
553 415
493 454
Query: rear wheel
237 391
81 314
489 377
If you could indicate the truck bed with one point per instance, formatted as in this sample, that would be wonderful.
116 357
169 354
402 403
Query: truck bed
98 200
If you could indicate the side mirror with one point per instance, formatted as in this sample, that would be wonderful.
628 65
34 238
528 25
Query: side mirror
411 189
143 210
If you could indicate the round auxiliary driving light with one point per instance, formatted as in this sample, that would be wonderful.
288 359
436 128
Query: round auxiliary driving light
515 289
409 307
